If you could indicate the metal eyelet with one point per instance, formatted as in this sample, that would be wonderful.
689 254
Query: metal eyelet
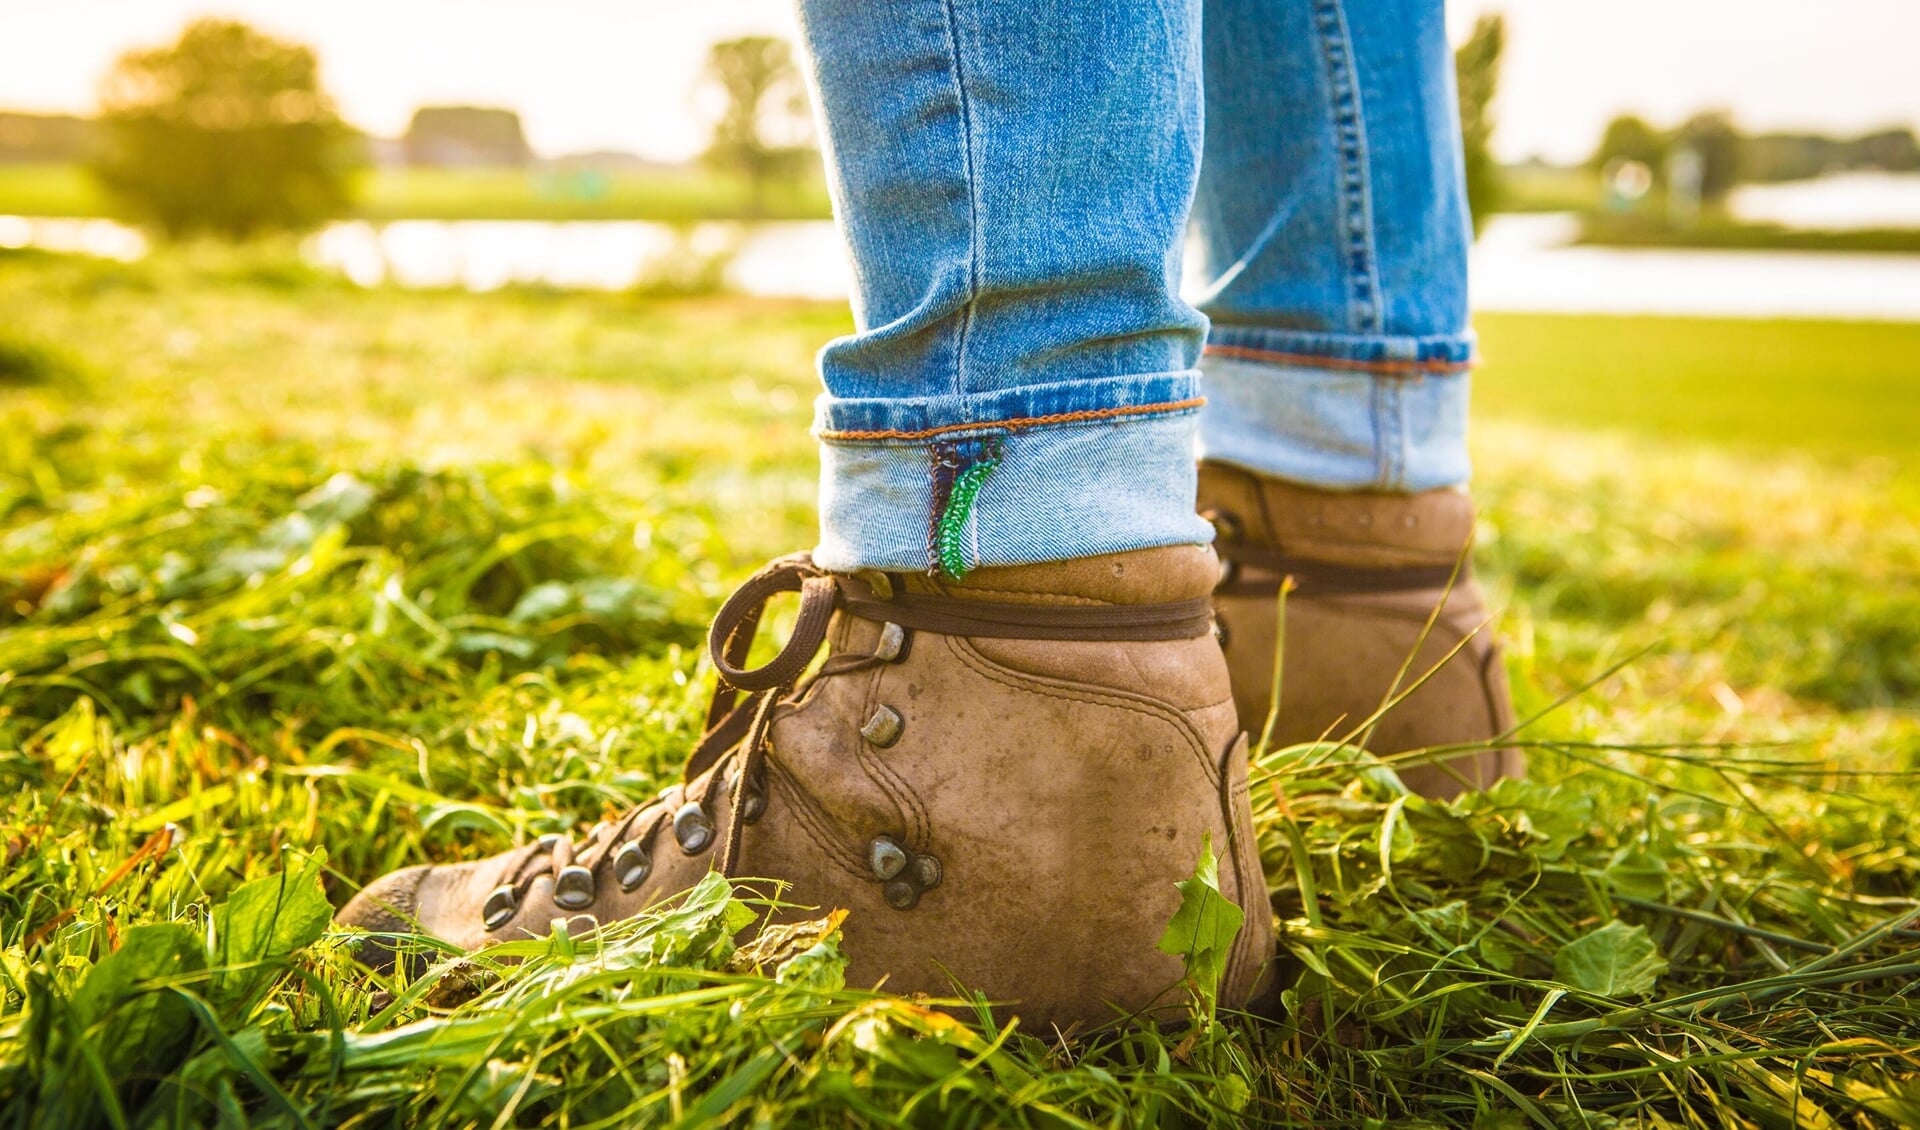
693 828
886 857
893 640
500 907
573 890
753 801
906 875
883 729
901 894
631 866
546 842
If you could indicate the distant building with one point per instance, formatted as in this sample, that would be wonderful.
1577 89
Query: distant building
466 137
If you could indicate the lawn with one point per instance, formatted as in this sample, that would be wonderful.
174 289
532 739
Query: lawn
668 195
299 583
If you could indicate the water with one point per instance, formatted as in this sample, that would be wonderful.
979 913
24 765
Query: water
1839 202
1521 263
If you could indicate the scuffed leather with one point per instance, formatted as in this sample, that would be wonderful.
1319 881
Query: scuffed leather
1343 652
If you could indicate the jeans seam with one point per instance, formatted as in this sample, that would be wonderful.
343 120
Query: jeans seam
1018 423
1356 196
1412 370
1393 437
959 386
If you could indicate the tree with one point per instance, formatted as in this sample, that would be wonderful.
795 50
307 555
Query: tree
1476 69
762 133
227 132
1630 138
1716 142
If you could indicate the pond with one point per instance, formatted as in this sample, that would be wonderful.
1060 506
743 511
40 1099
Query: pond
1521 263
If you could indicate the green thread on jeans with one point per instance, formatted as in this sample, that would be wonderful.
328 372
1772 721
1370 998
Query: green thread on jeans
950 530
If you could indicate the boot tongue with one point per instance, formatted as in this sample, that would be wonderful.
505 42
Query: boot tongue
1363 528
1143 576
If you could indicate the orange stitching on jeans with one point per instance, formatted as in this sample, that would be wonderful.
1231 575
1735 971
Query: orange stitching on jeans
1024 422
1384 368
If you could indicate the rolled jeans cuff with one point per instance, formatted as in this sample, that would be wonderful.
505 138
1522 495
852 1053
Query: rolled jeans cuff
1336 412
1016 477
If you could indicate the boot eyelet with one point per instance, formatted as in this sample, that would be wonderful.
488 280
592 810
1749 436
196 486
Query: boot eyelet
893 640
883 729
500 907
753 801
693 828
1229 573
631 865
546 842
573 890
886 858
927 871
901 894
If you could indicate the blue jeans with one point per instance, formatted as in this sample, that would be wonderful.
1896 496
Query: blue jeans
1015 180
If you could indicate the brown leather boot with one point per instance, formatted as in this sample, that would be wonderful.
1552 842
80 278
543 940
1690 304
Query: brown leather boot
1369 570
1003 777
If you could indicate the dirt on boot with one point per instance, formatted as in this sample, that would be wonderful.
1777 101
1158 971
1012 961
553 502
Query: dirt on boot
1000 780
1368 570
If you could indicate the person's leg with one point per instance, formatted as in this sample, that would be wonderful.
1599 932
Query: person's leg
1333 228
1013 180
1024 717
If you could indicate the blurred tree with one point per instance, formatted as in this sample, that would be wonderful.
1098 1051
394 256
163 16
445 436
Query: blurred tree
762 134
1895 150
1630 138
1476 68
466 135
227 132
1714 139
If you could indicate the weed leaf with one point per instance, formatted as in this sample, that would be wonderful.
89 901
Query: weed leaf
262 922
1617 960
1202 931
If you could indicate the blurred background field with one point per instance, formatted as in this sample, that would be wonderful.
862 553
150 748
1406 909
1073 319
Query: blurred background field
386 528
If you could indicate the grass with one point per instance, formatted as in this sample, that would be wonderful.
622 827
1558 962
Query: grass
1548 188
1646 229
299 583
1845 389
669 195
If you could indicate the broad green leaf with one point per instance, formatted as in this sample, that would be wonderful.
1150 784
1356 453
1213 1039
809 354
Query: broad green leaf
264 921
1617 960
138 1023
1202 931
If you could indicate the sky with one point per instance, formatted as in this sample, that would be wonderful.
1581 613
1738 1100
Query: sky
620 74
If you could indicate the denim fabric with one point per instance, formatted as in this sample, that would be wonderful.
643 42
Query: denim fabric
1331 218
1014 178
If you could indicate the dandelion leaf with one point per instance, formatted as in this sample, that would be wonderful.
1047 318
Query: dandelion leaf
1202 931
1617 960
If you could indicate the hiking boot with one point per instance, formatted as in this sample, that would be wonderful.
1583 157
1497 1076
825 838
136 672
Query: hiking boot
1002 778
1369 570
